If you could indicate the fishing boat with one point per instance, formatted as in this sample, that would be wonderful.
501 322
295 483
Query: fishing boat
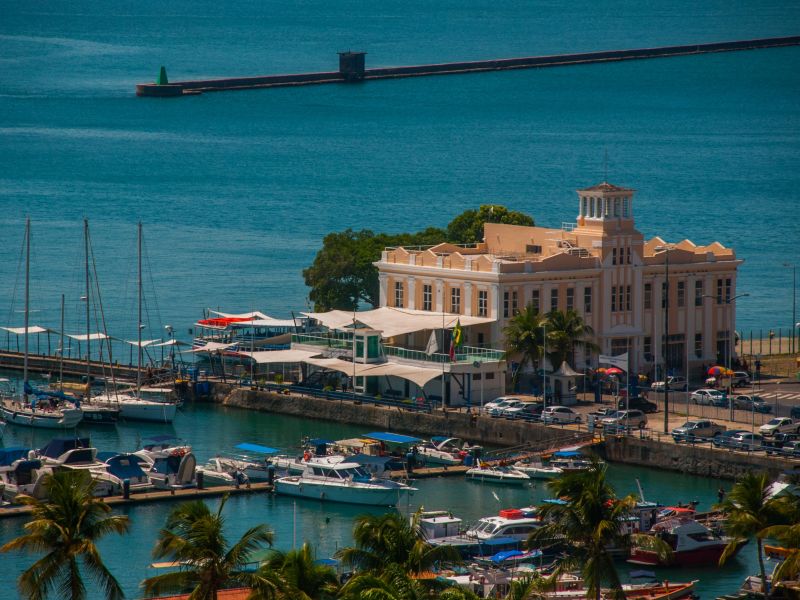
537 469
692 543
441 450
331 479
497 474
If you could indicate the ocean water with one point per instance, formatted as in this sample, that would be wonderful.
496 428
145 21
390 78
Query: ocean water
211 429
236 190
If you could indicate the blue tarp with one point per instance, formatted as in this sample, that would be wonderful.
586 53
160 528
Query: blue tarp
502 541
58 446
256 448
106 454
394 438
125 466
9 455
567 454
318 442
515 555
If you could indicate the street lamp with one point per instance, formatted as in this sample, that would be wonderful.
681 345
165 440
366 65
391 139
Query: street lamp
729 352
666 249
793 267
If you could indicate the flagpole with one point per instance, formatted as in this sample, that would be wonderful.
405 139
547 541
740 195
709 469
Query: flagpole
443 385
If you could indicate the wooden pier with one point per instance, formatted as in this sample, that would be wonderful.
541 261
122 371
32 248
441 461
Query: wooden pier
185 495
352 67
43 363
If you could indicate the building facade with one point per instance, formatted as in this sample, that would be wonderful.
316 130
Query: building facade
601 266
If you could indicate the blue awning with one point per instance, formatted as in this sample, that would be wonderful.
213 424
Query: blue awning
395 438
256 448
9 455
567 454
502 541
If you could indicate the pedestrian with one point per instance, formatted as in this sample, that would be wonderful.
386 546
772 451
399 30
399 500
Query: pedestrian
720 495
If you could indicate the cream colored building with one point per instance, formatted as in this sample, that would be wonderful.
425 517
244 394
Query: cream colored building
599 265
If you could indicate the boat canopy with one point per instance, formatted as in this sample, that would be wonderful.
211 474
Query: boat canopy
58 446
248 315
268 322
391 321
21 330
82 337
125 466
567 454
212 347
143 343
368 459
9 455
395 438
514 555
256 448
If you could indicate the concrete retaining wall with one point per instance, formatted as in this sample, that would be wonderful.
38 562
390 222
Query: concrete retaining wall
689 458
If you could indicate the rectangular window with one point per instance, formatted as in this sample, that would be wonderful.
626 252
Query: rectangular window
647 348
505 305
585 206
613 256
619 346
698 345
625 207
533 249
628 298
427 297
719 291
628 255
648 296
587 300
570 298
455 301
607 206
535 300
664 294
514 303
398 294
613 298
483 303
698 293
727 290
616 207
554 299
681 294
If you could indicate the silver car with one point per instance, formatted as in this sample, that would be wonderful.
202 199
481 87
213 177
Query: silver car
746 441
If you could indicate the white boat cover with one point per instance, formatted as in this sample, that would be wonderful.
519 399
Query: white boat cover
144 342
92 336
21 330
250 315
279 356
212 347
419 375
392 322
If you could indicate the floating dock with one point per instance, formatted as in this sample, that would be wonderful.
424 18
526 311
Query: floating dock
352 67
185 495
43 363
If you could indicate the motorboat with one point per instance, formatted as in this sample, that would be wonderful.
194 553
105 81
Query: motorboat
20 473
62 454
158 445
693 544
498 474
254 461
442 450
127 467
516 523
174 469
570 461
334 480
217 472
536 469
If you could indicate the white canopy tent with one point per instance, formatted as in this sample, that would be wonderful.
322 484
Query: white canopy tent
278 356
392 322
268 322
82 337
21 330
172 343
212 347
419 375
143 344
249 315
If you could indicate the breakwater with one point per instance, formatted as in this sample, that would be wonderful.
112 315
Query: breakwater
352 67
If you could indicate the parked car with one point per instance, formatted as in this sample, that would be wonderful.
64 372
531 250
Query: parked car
530 411
740 378
795 412
779 441
702 428
676 383
594 417
626 418
723 440
780 425
500 409
707 396
752 403
746 441
638 402
560 414
496 402
791 449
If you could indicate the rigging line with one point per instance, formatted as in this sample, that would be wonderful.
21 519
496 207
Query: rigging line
149 264
16 283
103 317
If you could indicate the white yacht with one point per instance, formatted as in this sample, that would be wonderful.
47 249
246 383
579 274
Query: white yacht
331 479
20 473
62 454
498 474
536 469
136 408
32 414
516 523
218 471
442 450
126 467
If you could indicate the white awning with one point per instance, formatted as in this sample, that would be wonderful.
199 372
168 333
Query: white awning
279 356
250 315
212 347
92 337
144 342
21 330
419 375
172 343
392 322
268 322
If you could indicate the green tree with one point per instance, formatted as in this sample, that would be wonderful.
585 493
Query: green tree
467 228
566 331
525 337
531 587
67 527
591 521
300 577
194 537
391 539
749 511
393 583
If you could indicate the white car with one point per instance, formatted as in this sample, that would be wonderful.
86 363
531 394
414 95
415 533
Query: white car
780 425
626 418
676 383
560 414
500 409
707 396
497 402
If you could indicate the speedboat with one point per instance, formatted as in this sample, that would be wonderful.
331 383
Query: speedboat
217 472
506 531
20 473
693 544
442 450
536 469
570 461
253 462
126 467
331 479
62 454
157 445
498 474
173 469
516 523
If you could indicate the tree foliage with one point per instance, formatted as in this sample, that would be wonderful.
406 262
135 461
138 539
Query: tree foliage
467 228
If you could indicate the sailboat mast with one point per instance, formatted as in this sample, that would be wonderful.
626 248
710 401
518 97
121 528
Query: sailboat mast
61 354
88 318
27 301
139 323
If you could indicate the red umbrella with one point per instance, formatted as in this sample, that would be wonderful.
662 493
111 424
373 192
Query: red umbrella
614 371
717 371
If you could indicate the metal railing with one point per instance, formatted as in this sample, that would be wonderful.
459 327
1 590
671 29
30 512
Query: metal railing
466 354
330 340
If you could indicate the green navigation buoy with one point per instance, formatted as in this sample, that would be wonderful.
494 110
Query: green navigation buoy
162 76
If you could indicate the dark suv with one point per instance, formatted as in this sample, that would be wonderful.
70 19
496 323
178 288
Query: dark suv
795 412
639 403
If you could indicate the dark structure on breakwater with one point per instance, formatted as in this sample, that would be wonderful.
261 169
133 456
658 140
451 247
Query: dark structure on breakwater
352 67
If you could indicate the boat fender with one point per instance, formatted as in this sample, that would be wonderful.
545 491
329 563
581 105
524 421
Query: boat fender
306 456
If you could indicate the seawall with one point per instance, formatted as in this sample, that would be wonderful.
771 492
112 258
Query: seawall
352 67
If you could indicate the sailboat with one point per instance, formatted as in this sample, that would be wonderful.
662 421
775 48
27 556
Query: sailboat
34 408
132 406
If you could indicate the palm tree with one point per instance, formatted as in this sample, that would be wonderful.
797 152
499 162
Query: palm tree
67 527
749 511
566 331
390 538
299 576
591 520
531 587
393 583
525 337
194 538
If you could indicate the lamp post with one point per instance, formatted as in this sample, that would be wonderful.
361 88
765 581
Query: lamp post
793 267
666 249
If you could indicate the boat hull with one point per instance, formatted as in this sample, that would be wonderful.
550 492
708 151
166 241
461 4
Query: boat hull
496 478
158 412
99 416
372 496
706 555
66 419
